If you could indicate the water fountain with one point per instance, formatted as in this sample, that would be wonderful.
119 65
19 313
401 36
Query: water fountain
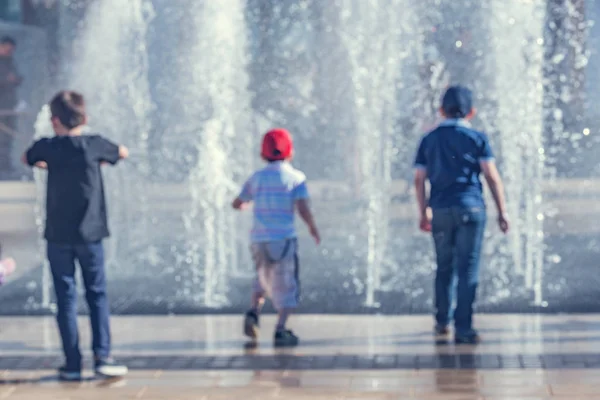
225 145
372 34
521 133
170 81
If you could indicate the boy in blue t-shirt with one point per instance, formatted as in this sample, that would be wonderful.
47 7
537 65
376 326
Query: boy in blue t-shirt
452 157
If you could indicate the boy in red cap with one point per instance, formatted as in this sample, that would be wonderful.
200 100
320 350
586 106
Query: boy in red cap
276 191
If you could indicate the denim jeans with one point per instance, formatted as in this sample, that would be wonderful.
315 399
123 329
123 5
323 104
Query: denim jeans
62 264
458 236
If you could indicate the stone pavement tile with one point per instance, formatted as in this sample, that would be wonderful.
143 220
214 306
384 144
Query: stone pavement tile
310 393
516 391
530 398
339 382
185 378
590 390
372 384
253 393
174 393
506 378
7 390
451 392
447 396
398 373
85 393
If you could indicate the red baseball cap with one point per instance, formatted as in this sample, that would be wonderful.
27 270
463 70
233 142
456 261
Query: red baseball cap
277 145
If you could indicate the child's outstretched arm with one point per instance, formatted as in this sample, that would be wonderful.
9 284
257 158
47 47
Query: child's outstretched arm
123 152
35 155
39 164
304 210
106 152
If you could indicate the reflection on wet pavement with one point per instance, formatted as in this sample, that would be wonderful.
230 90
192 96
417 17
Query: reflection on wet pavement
340 357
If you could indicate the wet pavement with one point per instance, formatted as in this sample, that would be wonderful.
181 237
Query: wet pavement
340 357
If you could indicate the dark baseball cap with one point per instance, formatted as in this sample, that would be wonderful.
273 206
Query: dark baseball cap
457 102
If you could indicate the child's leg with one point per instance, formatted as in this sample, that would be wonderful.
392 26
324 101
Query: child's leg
91 259
251 318
282 317
258 299
258 291
62 265
285 289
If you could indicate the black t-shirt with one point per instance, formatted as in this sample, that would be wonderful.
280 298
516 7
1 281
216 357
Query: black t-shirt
75 204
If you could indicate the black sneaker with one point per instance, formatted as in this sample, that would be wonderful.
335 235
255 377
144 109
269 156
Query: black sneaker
285 338
472 338
251 328
69 375
109 368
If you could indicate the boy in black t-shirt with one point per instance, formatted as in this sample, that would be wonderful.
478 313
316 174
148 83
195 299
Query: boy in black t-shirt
76 223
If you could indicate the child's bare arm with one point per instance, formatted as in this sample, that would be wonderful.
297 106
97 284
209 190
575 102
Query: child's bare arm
492 176
123 152
304 210
245 197
238 204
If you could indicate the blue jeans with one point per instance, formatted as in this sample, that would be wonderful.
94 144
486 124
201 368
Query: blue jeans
458 236
62 264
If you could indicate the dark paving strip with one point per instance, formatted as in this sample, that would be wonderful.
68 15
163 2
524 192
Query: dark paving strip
328 362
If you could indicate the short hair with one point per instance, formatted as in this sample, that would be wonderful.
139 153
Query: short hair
8 40
69 107
457 102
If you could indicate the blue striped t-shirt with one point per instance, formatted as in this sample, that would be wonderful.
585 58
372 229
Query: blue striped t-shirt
274 191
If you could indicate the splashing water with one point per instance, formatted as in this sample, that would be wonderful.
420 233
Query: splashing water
178 240
43 128
519 78
224 144
371 33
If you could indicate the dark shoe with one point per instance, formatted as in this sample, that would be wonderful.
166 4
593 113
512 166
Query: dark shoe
472 338
109 368
441 330
285 338
69 375
251 328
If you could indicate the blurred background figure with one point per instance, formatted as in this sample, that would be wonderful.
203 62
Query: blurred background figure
9 82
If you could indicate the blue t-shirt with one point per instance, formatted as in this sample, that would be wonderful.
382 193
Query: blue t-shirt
451 154
274 191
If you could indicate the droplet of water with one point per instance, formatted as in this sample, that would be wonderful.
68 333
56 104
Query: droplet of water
555 258
540 217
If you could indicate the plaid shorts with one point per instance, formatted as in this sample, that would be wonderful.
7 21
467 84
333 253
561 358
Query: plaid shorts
277 272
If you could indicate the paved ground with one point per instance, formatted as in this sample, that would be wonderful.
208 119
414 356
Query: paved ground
341 357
